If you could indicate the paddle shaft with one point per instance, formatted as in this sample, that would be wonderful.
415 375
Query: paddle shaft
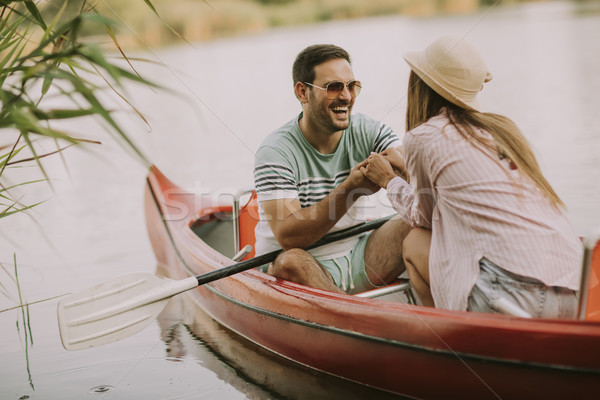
120 307
268 257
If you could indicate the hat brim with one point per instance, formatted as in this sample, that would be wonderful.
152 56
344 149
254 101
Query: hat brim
413 59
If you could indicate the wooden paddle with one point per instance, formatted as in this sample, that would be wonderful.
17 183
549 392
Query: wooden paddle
123 306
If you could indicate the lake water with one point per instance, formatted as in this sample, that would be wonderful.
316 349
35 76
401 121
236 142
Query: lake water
229 95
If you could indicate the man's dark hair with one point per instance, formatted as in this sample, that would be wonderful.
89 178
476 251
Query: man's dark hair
304 66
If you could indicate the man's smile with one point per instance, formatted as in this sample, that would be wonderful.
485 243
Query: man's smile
341 110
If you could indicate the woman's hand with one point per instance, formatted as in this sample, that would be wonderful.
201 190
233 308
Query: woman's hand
396 158
378 169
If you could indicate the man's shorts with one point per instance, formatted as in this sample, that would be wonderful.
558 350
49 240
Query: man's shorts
531 295
348 271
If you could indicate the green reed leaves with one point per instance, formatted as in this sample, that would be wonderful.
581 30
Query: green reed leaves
27 335
23 322
50 74
44 61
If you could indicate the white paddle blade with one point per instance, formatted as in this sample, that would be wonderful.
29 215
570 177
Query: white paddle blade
115 309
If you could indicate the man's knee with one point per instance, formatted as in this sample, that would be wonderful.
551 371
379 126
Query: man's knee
398 229
291 264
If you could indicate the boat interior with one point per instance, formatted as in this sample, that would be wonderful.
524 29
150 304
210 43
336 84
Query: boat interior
229 229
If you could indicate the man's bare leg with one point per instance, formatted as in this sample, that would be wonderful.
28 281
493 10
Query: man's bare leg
383 253
299 266
416 258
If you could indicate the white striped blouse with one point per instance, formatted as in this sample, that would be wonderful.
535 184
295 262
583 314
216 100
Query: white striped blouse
477 206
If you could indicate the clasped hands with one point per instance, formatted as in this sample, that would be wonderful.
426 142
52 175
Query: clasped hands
381 168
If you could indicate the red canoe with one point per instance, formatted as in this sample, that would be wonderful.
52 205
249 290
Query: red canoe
397 347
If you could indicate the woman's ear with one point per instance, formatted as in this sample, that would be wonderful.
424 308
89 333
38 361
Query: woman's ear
301 91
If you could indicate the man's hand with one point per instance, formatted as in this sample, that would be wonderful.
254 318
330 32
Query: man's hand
360 183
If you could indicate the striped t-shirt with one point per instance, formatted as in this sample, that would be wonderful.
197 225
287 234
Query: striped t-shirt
287 167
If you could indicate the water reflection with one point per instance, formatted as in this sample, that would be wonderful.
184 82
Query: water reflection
188 331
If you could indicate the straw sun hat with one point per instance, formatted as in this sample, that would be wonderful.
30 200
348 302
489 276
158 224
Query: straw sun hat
453 68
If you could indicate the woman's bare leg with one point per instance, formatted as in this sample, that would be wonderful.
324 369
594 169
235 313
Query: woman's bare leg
415 251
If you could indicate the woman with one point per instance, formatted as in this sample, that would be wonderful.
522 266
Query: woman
490 232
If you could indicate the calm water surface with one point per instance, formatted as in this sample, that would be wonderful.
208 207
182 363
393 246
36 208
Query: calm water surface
544 58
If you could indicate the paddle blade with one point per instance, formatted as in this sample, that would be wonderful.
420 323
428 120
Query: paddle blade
115 309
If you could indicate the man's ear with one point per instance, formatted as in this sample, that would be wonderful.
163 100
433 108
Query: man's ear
301 91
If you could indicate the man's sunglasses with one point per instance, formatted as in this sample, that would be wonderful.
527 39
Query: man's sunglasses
334 89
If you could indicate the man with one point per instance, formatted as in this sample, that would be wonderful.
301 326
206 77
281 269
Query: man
308 182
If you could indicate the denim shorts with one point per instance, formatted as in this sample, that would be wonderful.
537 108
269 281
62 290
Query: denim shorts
496 286
348 271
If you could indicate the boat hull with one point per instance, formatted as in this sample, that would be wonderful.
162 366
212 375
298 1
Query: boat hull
399 348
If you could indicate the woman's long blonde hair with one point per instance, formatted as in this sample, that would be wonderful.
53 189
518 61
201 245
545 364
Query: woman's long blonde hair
424 103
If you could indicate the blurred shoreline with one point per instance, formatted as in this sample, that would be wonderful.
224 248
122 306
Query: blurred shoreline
204 20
